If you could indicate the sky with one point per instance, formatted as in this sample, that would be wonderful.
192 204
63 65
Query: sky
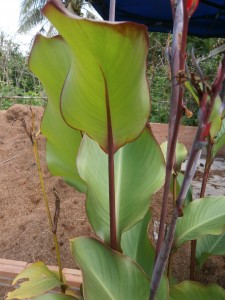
9 22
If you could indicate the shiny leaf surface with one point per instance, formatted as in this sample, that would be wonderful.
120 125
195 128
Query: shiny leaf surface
39 279
192 290
180 154
202 216
209 245
139 173
50 61
137 245
107 274
105 92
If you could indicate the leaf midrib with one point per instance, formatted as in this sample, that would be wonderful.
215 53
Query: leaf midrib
197 226
100 283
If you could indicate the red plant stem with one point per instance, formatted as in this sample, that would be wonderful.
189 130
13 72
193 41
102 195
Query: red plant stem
112 201
208 165
112 204
204 114
112 9
177 64
202 194
174 187
167 245
110 151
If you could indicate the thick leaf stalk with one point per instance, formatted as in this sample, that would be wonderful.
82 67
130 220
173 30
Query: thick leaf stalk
208 165
199 143
177 66
111 151
142 158
108 274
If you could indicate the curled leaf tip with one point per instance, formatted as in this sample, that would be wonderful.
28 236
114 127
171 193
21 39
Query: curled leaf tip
188 112
192 6
205 131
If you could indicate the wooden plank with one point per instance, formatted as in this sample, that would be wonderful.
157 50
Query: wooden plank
73 277
4 261
11 268
72 271
5 281
53 268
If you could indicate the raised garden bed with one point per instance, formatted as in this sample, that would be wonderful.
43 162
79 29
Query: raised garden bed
25 235
9 269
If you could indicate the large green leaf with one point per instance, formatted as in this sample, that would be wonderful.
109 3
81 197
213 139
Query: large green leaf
180 154
202 216
105 93
107 274
136 244
209 245
191 90
139 172
192 290
215 116
220 139
40 280
179 182
50 61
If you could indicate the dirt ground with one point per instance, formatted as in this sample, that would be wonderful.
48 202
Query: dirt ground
25 233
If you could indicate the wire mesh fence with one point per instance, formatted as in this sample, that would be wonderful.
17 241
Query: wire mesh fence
7 101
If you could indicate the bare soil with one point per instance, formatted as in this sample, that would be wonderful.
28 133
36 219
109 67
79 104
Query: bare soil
25 233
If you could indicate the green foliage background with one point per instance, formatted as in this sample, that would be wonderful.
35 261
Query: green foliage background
158 74
15 77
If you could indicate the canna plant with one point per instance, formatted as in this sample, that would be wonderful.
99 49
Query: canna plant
99 140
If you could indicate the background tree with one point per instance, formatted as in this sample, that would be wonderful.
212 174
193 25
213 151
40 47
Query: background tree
31 16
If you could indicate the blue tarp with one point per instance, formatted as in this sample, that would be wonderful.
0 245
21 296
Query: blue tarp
207 21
